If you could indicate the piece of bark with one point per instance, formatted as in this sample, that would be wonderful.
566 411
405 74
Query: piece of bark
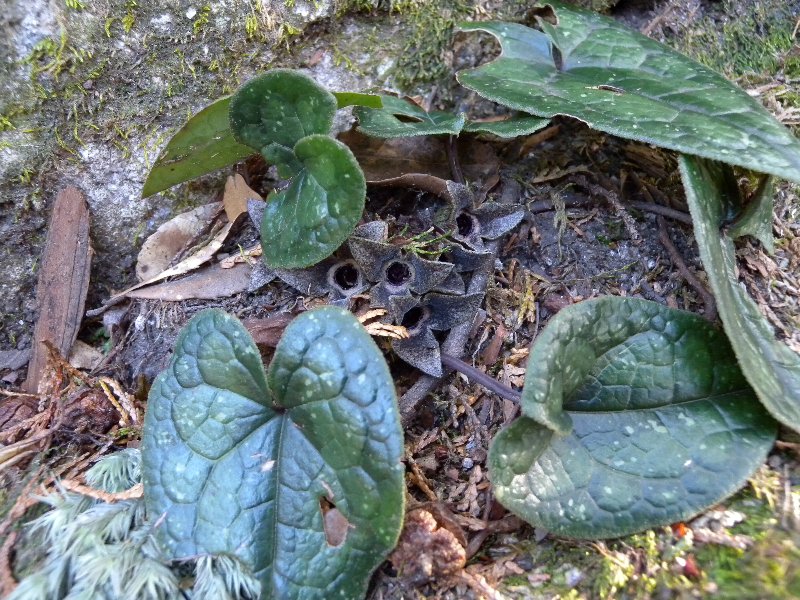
268 331
207 283
63 281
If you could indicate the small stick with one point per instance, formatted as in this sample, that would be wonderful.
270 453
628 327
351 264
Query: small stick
677 260
473 374
664 211
540 206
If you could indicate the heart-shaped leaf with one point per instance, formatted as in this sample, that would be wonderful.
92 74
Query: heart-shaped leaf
594 69
402 118
770 366
238 463
311 218
280 107
204 144
635 415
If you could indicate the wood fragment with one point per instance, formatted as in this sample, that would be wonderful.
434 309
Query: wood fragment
268 331
63 281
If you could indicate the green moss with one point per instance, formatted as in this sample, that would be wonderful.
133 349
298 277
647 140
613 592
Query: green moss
202 19
750 40
427 35
770 568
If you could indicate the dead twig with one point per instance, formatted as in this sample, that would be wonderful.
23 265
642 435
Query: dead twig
137 491
691 279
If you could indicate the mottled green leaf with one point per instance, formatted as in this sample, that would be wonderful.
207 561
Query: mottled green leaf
240 463
634 415
385 122
312 217
280 107
284 160
204 144
770 366
595 69
402 118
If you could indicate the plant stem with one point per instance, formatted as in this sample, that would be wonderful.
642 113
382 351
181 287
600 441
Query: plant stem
452 157
476 376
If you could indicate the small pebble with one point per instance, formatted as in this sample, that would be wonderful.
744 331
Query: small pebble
573 577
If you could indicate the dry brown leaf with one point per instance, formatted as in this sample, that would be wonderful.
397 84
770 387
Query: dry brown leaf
334 524
395 332
171 237
248 255
236 195
207 284
427 550
83 356
386 159
63 281
203 255
371 314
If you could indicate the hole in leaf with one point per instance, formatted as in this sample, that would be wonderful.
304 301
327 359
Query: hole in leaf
398 273
334 523
414 318
407 119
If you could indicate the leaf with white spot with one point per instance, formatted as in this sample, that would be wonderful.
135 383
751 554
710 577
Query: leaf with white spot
616 80
297 473
281 107
634 415
309 220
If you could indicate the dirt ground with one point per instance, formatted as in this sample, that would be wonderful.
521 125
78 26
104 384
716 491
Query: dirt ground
589 229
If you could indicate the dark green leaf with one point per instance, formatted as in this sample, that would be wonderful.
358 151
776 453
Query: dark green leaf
618 81
232 467
280 107
384 122
306 222
635 415
344 99
284 160
755 218
508 128
769 365
204 144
